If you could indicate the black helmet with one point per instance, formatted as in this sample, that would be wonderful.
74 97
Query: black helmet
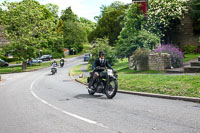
101 53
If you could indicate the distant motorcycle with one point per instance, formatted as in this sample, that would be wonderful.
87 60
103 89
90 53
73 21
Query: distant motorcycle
61 63
53 70
105 83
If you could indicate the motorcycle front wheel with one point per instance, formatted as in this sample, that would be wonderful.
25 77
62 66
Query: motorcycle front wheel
112 89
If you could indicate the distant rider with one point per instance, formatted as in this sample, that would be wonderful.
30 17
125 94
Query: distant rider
62 62
54 64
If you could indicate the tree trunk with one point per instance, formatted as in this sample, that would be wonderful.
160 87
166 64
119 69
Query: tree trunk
24 66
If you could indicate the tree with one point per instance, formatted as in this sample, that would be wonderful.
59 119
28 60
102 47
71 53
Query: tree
88 25
68 15
102 44
126 43
53 9
110 22
74 35
133 35
28 26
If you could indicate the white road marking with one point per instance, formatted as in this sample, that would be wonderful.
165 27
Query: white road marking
63 111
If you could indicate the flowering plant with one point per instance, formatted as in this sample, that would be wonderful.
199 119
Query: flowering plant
176 55
165 14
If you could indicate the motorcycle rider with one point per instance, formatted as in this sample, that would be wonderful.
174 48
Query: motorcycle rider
99 62
54 63
62 62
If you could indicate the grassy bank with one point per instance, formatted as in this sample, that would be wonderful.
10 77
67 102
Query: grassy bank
179 85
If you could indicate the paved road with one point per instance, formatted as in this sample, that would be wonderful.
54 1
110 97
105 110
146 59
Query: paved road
37 102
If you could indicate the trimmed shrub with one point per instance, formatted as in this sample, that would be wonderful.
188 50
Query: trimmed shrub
140 59
176 55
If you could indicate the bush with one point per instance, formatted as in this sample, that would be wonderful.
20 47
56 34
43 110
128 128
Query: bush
190 48
102 44
176 55
140 59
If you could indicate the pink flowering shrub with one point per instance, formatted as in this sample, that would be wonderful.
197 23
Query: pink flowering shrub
176 55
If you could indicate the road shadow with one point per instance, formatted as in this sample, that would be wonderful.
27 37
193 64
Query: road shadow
82 96
49 74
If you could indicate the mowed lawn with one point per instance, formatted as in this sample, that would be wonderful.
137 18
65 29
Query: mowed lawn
175 85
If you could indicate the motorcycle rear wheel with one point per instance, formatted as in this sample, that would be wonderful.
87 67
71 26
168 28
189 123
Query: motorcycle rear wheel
91 92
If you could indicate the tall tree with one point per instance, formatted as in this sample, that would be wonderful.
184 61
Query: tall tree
110 22
127 38
68 15
74 35
88 25
29 25
53 9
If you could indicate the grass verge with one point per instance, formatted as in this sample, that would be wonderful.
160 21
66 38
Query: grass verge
76 70
10 69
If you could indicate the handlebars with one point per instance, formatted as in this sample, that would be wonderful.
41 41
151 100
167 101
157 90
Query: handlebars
103 68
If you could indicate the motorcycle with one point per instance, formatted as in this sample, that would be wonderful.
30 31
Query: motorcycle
106 83
61 63
53 70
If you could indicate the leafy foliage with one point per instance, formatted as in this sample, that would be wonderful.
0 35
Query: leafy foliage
195 12
164 15
176 55
74 35
110 22
102 44
87 25
190 48
29 25
53 9
133 35
140 58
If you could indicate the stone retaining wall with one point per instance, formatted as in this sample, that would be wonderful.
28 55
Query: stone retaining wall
159 62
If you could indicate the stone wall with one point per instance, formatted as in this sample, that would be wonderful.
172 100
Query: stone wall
159 62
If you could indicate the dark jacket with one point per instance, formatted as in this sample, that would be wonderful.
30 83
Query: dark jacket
104 64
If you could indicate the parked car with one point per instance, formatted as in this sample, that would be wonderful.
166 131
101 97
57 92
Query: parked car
34 61
86 57
45 58
3 63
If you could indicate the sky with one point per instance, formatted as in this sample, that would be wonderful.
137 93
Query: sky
83 8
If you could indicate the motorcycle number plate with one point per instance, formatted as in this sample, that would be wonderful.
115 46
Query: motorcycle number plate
110 72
